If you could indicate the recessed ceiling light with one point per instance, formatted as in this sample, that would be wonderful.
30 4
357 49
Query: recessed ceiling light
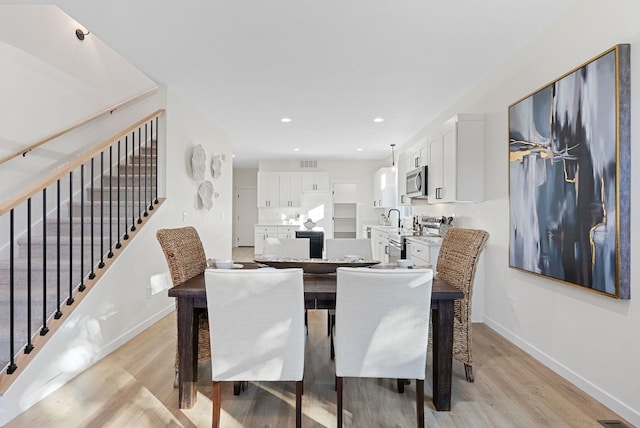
378 120
296 149
285 120
359 149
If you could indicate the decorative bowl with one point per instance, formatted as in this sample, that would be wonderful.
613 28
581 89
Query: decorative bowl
309 224
224 264
405 263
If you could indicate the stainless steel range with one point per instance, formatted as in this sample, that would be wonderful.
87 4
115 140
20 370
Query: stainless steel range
434 226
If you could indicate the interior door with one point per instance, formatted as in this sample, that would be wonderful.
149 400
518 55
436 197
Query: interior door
246 216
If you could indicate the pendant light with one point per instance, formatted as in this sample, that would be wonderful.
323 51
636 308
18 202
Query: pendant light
393 157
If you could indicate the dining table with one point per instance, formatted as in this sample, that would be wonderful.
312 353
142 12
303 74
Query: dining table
319 293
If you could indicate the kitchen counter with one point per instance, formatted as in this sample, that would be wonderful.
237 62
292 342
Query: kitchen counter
289 226
426 239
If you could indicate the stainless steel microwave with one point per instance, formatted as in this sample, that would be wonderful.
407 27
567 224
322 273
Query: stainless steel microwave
417 183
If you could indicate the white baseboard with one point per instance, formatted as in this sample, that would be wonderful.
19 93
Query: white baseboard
593 390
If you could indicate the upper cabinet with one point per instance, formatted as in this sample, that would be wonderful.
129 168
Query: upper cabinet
290 189
284 189
315 181
384 188
268 189
456 161
404 165
418 156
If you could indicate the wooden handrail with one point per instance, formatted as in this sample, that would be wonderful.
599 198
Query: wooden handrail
27 149
75 163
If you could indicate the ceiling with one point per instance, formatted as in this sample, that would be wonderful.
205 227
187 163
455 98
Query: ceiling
330 66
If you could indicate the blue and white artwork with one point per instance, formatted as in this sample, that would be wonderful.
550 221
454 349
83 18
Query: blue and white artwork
563 179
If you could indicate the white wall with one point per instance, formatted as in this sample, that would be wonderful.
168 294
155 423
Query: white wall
186 128
59 79
119 306
589 339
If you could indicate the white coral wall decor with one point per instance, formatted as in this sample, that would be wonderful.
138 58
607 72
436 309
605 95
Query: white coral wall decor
205 192
216 166
198 162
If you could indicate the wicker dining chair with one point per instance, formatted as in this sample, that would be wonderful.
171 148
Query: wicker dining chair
185 256
457 263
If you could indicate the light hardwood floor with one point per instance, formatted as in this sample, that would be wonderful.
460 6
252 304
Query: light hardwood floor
132 387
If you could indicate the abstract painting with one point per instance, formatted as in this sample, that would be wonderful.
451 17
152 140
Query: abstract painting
569 177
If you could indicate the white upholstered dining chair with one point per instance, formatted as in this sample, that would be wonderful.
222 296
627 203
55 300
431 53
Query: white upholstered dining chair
382 327
338 248
256 326
287 248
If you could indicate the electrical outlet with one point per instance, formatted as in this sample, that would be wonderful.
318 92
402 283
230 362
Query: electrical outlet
513 303
149 292
185 217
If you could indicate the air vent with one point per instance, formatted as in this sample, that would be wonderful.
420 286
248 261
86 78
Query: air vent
613 424
306 164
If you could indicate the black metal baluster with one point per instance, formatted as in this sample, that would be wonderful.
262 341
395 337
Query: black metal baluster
92 275
146 156
70 298
133 182
12 364
29 347
82 287
152 169
126 187
110 255
58 313
118 244
139 175
156 166
44 330
101 264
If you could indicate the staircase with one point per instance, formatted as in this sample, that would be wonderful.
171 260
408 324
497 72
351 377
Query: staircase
86 222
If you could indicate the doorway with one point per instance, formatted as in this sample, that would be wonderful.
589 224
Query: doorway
246 216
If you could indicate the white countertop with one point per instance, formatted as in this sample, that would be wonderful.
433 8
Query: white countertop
293 226
430 240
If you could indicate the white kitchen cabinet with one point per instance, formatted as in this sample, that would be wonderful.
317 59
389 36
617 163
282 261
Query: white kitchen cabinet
404 162
287 232
315 181
268 189
278 231
290 189
384 188
422 253
284 189
379 244
456 161
261 234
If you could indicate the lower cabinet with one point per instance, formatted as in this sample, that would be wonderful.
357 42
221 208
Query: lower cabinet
264 232
287 232
261 235
379 244
422 252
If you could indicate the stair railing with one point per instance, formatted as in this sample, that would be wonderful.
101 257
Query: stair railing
88 210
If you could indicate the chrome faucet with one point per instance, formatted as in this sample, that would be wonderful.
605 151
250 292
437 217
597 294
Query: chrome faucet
396 210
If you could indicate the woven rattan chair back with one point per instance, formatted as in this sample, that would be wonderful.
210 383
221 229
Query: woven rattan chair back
183 250
457 264
185 256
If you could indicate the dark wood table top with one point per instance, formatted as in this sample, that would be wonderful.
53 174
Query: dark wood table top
316 285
